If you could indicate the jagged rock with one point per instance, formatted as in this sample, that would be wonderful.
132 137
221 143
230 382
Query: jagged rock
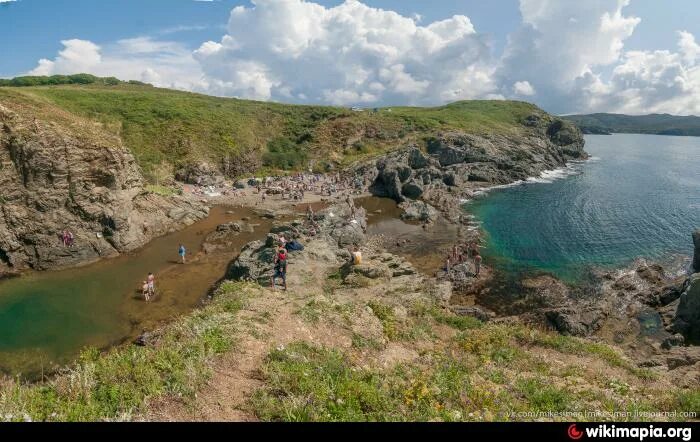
254 263
404 173
450 179
570 321
696 250
418 211
371 271
652 273
668 313
673 341
682 357
665 294
397 266
687 319
532 120
412 190
626 283
240 184
203 174
416 159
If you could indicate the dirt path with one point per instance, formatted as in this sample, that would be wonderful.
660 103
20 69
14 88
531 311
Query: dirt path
271 320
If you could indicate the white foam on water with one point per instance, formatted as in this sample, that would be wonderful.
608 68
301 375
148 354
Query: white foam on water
573 167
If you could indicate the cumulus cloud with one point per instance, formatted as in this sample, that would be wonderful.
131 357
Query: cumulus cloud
560 41
523 88
565 56
648 81
348 54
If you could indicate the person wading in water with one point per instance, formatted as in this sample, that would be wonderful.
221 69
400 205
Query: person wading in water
151 285
181 251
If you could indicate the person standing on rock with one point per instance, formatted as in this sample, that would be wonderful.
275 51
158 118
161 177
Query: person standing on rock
181 251
477 264
280 268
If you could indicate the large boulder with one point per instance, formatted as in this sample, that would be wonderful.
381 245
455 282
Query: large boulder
416 159
575 321
418 211
388 183
254 263
203 174
412 190
687 319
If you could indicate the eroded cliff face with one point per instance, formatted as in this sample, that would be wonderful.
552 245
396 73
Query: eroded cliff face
59 172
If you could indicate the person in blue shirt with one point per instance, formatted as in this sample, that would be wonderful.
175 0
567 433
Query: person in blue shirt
181 251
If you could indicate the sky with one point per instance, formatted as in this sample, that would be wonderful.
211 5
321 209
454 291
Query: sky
567 56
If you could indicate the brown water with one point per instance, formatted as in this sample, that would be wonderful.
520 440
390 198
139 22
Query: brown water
46 318
426 248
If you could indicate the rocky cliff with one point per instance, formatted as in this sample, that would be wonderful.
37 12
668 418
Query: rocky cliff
59 172
456 161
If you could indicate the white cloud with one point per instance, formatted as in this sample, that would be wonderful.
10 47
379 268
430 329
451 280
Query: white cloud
523 88
565 56
347 54
648 81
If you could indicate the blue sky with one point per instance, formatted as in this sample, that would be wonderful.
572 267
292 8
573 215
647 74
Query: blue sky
504 49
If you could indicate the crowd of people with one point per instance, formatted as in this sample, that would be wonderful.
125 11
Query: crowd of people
294 187
462 253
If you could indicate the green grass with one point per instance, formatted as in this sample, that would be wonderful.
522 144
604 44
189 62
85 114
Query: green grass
162 126
117 384
162 190
573 345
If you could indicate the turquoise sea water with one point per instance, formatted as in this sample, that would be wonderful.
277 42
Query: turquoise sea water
638 196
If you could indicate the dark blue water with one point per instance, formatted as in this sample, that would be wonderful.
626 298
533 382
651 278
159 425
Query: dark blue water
639 196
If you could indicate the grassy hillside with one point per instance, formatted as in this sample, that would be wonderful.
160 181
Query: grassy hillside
166 128
659 124
466 370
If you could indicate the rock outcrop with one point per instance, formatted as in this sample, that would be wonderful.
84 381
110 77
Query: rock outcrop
696 252
687 318
454 158
60 173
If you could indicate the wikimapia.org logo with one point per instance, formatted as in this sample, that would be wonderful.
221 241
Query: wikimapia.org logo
639 433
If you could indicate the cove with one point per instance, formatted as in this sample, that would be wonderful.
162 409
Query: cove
637 197
46 318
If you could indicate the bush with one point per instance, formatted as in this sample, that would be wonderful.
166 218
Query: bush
283 153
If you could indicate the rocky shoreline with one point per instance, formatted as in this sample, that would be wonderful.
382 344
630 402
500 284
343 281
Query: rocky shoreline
653 313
